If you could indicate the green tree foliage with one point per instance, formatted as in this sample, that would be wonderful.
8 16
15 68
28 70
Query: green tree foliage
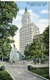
8 11
26 52
46 40
4 75
34 50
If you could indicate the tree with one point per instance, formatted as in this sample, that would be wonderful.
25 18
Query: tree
34 50
46 40
8 11
26 52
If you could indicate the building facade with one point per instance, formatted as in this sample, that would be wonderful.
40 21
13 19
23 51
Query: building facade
27 31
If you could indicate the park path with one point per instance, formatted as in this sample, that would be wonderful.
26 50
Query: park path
19 71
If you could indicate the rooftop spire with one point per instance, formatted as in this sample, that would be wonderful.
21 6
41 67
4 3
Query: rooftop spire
25 9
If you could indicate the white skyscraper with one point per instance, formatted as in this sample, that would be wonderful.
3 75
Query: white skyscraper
27 31
26 18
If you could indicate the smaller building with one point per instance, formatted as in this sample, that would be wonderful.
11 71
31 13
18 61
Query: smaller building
16 55
39 39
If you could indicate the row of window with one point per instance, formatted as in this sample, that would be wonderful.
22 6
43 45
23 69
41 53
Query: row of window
28 29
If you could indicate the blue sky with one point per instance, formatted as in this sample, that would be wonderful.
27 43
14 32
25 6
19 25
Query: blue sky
38 16
36 9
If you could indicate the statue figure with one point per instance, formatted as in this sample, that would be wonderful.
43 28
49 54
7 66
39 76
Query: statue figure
14 56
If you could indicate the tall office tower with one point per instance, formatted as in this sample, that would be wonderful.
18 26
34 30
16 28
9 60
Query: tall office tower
25 18
27 31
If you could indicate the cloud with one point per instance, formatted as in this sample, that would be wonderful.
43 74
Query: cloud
44 12
17 21
42 24
33 15
21 12
16 38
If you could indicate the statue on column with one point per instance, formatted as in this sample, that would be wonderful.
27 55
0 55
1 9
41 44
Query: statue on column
14 56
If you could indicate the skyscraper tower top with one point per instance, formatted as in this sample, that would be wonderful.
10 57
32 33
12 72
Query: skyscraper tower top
25 9
26 18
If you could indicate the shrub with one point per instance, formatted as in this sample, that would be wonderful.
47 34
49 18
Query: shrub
2 68
4 75
30 67
43 71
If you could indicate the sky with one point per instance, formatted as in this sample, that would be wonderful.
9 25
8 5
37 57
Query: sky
38 14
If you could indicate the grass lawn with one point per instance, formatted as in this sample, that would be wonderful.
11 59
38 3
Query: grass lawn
4 75
43 71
